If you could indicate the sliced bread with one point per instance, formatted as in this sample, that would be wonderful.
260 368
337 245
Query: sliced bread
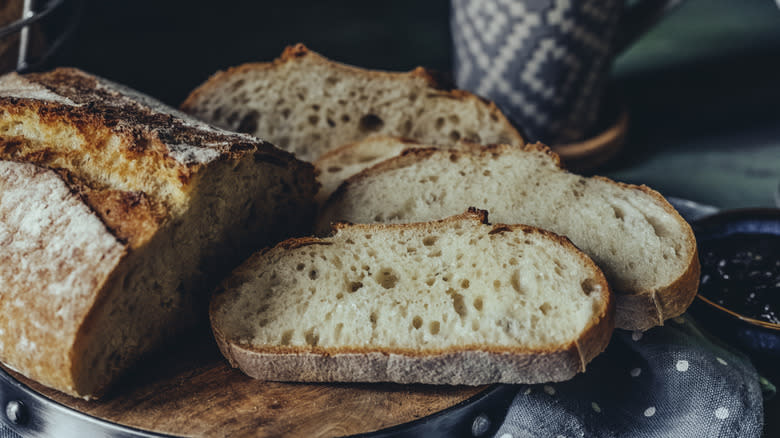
117 217
455 302
647 251
308 105
336 165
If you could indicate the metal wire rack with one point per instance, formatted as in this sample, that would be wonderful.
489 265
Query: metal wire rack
35 12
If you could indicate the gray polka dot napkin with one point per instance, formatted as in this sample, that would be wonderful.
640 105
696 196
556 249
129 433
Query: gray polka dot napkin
670 381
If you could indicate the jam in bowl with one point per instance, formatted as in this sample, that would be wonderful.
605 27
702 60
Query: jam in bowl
739 293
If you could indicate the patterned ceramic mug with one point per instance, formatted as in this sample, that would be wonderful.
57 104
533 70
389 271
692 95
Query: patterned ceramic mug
546 62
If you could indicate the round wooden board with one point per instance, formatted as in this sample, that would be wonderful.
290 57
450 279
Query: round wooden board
192 391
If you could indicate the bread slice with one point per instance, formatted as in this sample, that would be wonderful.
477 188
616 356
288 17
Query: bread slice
308 105
117 215
647 251
336 165
455 302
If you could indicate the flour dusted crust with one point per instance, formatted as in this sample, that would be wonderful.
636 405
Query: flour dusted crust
56 255
115 213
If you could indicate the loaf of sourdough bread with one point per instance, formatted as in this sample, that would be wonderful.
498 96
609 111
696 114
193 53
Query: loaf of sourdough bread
455 302
117 216
647 251
308 105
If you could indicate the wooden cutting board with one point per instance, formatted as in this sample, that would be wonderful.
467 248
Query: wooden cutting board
192 391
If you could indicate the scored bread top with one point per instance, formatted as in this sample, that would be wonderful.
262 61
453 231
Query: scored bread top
307 104
132 158
645 248
450 290
93 178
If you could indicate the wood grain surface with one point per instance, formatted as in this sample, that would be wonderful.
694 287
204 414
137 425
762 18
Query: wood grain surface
192 391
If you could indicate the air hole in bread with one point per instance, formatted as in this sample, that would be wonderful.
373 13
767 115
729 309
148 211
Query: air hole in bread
354 286
286 337
337 330
515 282
454 135
473 137
430 281
454 158
417 322
311 336
465 284
331 123
331 81
545 308
589 285
486 172
475 325
513 261
249 122
619 214
373 318
454 118
387 278
430 240
370 123
440 123
436 253
334 169
457 303
285 112
658 228
237 84
313 274
434 327
233 118
406 129
339 296
345 118
313 120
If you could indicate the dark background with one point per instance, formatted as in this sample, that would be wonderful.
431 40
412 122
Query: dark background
702 88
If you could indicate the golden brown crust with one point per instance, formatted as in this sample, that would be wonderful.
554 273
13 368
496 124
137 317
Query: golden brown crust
298 53
143 132
90 173
473 364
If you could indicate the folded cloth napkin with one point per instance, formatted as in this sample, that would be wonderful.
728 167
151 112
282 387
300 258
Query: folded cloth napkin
670 381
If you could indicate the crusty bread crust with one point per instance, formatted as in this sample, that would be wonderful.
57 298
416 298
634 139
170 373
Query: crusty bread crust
463 365
638 310
88 228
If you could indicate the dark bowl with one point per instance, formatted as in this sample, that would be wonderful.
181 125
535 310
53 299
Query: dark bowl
750 334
